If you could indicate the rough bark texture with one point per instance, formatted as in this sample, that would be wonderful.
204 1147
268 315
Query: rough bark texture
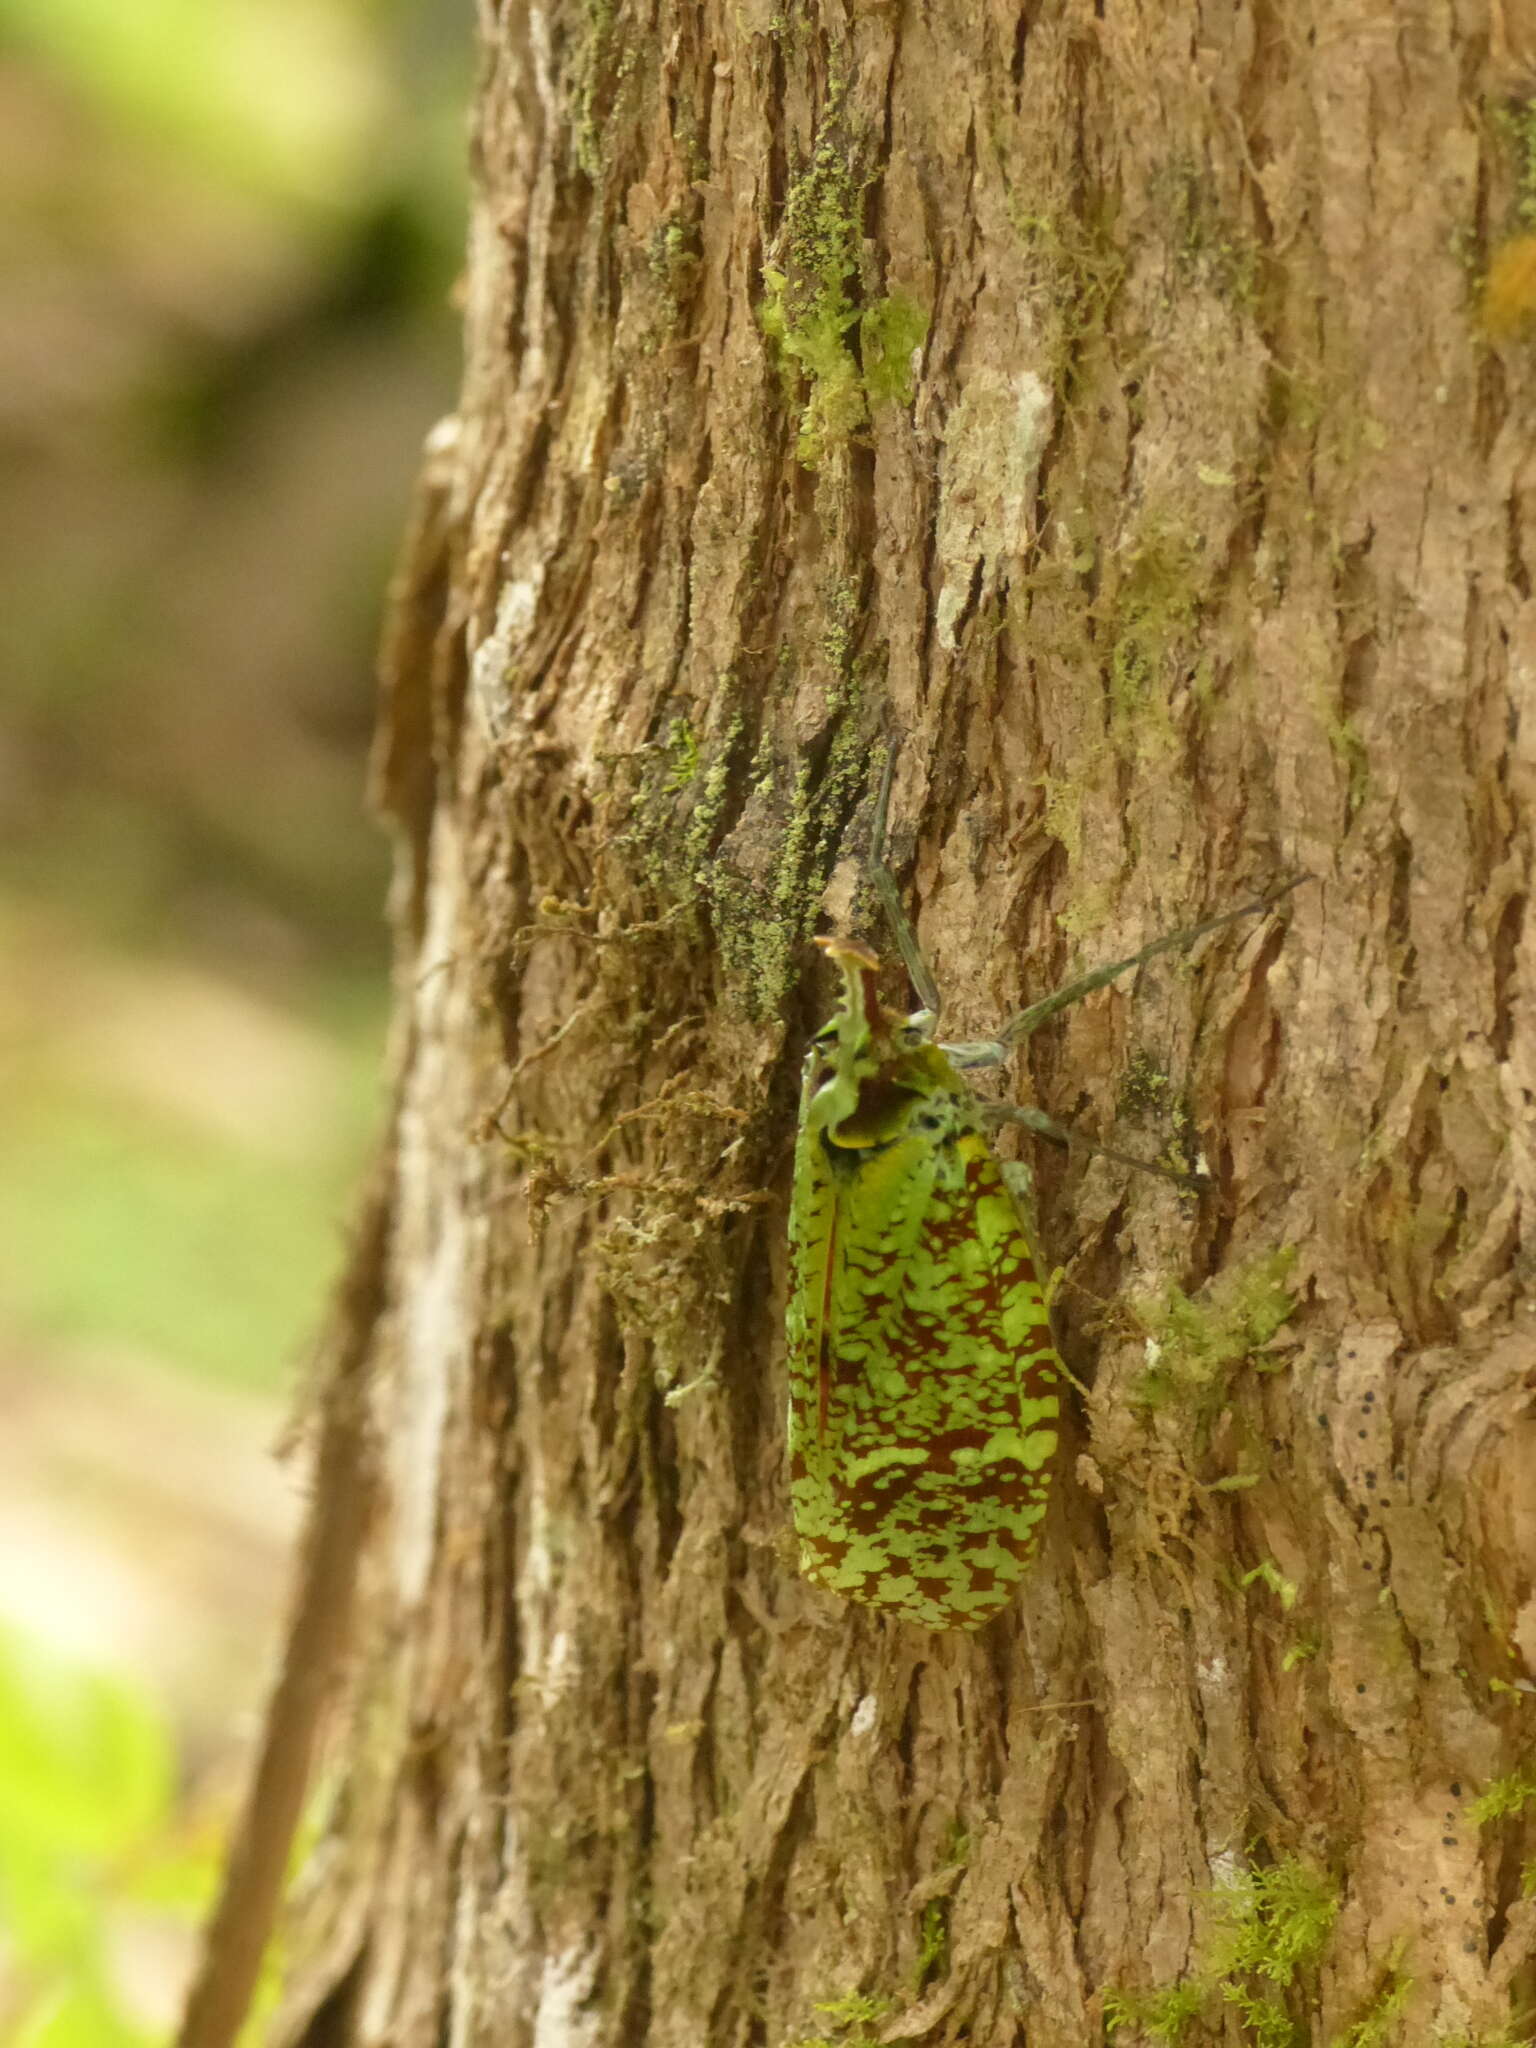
1097 398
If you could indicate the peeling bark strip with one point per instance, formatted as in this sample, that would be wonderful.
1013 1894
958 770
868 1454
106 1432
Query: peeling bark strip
1103 397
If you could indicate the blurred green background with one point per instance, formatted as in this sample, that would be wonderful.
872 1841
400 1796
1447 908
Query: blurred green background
228 248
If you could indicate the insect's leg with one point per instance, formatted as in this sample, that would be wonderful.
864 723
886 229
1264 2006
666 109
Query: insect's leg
1045 1126
1029 1020
883 882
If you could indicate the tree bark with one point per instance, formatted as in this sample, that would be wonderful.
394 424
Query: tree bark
1098 403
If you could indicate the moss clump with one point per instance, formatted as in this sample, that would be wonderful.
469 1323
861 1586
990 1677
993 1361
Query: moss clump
676 262
760 932
812 309
1515 125
1270 1928
1194 1342
763 918
852 2018
809 307
1151 610
1207 247
1076 271
890 333
677 809
1377 2026
1505 1796
1163 2016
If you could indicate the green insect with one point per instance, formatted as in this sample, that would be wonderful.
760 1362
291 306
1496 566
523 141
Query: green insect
924 1385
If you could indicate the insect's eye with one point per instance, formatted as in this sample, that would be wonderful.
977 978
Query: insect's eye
910 1035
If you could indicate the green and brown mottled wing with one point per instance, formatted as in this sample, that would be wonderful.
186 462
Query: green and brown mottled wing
924 1387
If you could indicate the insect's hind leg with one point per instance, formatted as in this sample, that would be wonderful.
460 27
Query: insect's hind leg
883 882
1045 1126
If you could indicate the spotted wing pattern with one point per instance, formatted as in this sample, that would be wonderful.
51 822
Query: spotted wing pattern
924 1386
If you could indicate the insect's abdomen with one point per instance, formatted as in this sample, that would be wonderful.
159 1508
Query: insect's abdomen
924 1408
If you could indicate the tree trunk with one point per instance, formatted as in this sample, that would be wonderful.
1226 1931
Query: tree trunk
1101 404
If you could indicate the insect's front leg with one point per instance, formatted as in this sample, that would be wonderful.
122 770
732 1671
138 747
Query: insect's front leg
1029 1020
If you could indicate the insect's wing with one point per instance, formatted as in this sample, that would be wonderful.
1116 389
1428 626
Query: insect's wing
923 1382
852 1233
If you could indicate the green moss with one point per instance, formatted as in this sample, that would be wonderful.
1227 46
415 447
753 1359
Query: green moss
594 78
1515 125
1207 247
1164 2016
932 1943
933 1927
841 606
852 2019
677 808
1150 612
1148 1096
1194 1342
809 307
812 307
1505 1796
1268 1573
762 934
1146 1089
675 259
762 941
1378 2026
1349 747
1075 270
890 332
1270 1928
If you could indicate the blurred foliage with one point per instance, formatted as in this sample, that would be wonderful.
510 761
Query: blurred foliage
100 1867
225 325
179 1153
226 266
